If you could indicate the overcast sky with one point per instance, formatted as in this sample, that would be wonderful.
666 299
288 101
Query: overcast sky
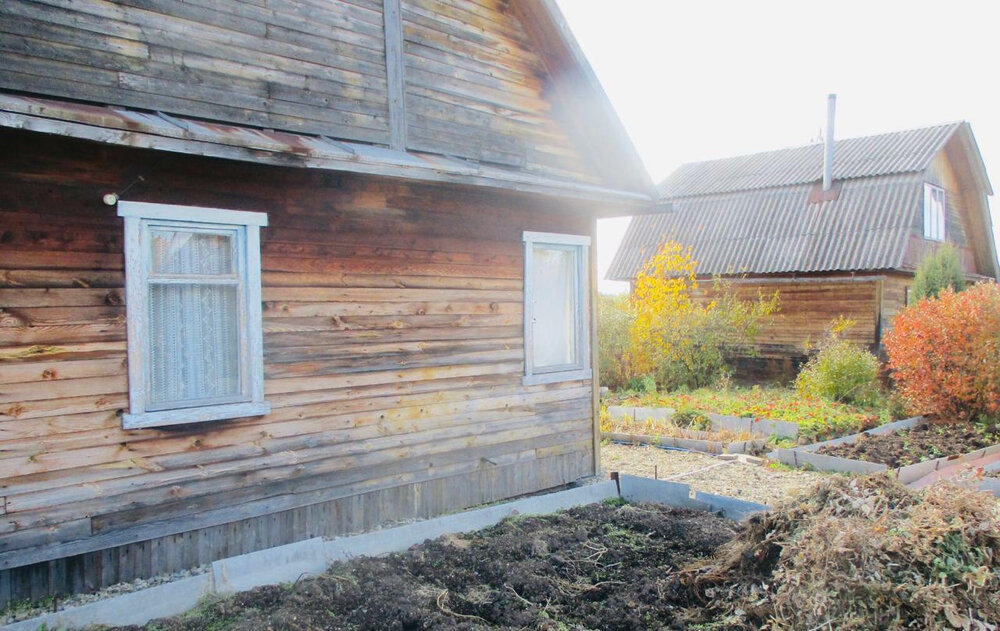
706 79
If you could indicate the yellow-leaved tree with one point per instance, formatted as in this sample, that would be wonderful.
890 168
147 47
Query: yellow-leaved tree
661 295
684 337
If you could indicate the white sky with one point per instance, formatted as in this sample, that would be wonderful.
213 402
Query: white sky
704 79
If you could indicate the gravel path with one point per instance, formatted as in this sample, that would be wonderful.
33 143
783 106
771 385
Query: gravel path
755 483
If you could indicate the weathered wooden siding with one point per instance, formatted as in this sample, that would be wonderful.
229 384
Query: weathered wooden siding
476 88
895 295
393 362
474 85
808 306
302 66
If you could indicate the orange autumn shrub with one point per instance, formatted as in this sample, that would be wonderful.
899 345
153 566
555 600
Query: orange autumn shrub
944 354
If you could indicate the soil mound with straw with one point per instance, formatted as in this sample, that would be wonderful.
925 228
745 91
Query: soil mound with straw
859 553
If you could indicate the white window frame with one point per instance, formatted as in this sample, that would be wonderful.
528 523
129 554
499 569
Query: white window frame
582 368
935 211
140 217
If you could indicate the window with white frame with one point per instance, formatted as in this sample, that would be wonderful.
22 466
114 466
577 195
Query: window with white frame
192 289
935 203
556 308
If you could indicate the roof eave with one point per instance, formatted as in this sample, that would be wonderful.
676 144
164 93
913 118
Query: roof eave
119 126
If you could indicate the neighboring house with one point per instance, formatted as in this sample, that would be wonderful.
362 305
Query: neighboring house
765 222
348 280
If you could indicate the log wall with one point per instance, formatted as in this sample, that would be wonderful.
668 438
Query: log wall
808 306
476 88
474 83
393 363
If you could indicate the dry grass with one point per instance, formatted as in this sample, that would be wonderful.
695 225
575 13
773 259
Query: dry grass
861 553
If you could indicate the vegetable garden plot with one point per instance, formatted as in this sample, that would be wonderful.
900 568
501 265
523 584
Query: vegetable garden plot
601 566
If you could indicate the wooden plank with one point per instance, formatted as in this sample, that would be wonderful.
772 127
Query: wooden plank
48 371
392 22
23 410
318 294
52 279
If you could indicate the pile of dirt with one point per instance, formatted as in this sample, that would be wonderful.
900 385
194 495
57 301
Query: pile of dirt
917 444
855 553
602 566
859 553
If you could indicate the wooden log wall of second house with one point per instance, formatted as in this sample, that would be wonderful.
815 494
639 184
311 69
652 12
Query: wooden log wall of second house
392 334
808 306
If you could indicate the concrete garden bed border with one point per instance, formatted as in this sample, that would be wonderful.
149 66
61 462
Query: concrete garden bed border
291 562
755 446
911 475
760 429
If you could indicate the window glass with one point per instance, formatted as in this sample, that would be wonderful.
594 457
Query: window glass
555 306
194 343
935 204
185 252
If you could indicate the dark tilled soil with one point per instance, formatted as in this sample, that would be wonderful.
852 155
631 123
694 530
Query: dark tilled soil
909 446
602 566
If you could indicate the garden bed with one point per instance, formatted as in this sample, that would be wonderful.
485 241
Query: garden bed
927 441
822 456
711 433
602 566
814 419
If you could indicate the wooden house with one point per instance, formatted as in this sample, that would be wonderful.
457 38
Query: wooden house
278 269
764 222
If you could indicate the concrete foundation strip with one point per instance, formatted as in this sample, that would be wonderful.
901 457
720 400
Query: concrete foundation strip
290 562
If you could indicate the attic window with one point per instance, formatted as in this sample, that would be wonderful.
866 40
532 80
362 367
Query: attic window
935 202
194 314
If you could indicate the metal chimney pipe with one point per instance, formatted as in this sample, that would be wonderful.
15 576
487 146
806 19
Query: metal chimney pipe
831 110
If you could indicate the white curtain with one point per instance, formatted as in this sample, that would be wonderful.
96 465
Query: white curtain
555 306
194 326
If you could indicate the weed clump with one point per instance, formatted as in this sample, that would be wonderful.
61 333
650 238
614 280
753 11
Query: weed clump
841 371
860 553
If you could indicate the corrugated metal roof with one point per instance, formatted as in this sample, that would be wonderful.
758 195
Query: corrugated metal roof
897 152
775 230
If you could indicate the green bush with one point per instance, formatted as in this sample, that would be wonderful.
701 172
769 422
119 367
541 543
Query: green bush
841 371
697 343
614 319
643 384
939 271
